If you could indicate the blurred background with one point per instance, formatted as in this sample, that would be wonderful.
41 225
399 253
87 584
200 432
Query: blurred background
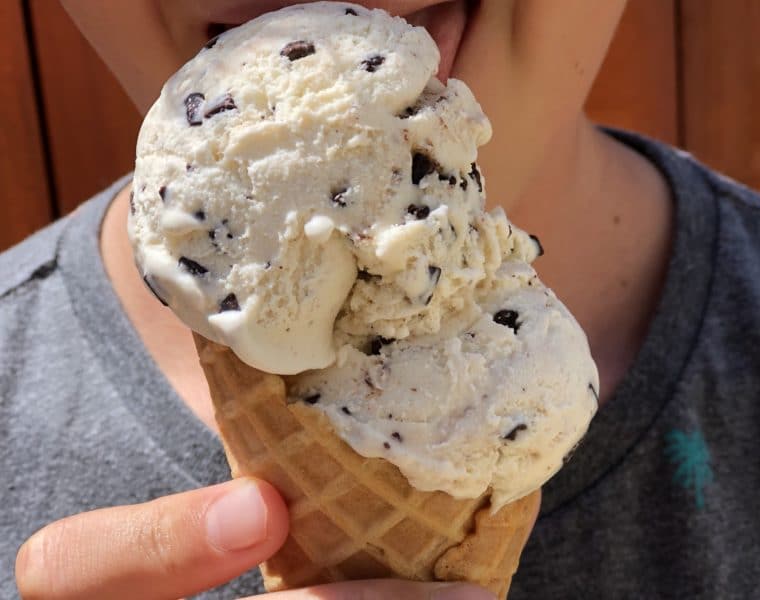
683 71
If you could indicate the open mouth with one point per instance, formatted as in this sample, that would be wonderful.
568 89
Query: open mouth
446 24
445 21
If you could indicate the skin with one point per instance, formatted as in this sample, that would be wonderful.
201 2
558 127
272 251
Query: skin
591 200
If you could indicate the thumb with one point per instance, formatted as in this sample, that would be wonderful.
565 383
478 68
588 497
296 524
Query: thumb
170 547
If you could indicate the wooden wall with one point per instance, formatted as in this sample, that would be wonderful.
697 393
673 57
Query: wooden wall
684 71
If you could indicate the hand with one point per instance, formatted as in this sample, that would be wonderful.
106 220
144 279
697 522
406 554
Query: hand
180 545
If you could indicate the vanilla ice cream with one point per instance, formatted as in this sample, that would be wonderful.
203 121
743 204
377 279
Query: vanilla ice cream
307 193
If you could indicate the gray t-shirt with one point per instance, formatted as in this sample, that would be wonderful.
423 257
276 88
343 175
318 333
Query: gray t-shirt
660 501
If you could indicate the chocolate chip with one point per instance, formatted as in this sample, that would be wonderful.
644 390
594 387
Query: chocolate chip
229 236
435 275
513 434
372 63
162 192
222 104
230 302
351 11
155 293
365 275
508 318
397 436
338 197
538 243
193 267
193 104
313 399
475 174
200 215
189 167
463 184
377 344
593 391
345 410
386 445
422 165
390 415
132 202
298 49
212 42
409 111
418 211
212 234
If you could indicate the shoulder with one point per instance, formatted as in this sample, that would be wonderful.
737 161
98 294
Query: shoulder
743 198
738 223
693 174
701 189
735 195
739 210
36 257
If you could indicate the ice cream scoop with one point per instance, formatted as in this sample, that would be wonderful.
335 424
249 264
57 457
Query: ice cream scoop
296 153
307 193
495 399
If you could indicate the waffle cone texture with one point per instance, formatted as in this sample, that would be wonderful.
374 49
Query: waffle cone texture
353 517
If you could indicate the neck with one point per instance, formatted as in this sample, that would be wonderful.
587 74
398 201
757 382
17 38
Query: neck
166 338
603 214
591 207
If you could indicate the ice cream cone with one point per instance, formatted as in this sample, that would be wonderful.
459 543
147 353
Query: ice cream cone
353 517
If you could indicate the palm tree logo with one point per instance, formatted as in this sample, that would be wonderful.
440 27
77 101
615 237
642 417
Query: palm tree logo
689 453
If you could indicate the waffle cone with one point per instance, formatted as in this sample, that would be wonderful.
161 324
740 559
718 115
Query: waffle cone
352 517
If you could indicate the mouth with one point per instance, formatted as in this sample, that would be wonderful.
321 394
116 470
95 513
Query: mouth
446 22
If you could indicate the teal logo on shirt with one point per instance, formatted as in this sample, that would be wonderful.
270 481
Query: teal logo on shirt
689 454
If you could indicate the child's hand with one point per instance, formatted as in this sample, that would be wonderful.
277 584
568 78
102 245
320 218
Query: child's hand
181 545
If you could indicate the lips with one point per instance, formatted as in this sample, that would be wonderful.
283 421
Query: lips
445 21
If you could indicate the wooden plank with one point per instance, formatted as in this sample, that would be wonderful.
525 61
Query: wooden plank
636 87
92 124
720 42
23 182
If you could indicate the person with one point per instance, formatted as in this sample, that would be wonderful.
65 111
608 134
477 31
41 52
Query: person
108 437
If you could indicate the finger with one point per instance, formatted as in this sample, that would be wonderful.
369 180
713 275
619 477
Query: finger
386 589
167 548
